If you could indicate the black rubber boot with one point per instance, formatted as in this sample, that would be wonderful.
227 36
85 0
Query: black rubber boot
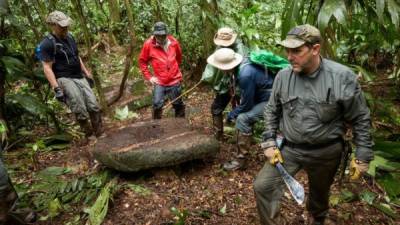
86 127
10 216
243 142
97 123
157 114
218 126
179 111
7 201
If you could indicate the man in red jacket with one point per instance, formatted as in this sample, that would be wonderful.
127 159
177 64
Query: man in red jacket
164 54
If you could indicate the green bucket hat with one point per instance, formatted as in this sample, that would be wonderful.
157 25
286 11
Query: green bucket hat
300 35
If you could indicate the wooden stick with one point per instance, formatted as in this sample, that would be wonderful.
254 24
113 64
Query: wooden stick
183 94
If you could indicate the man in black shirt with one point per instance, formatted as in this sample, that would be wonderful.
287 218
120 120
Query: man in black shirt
66 73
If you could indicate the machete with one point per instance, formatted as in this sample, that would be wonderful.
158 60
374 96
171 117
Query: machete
295 188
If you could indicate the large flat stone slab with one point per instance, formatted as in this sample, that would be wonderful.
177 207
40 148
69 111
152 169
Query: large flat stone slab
155 143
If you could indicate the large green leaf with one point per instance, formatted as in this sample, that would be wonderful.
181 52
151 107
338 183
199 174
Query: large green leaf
289 13
383 164
98 211
385 208
30 103
391 183
368 197
380 8
394 10
15 68
389 147
336 8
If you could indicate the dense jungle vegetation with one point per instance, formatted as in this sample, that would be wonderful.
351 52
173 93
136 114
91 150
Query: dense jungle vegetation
39 135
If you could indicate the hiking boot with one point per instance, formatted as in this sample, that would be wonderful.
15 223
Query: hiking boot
179 111
86 127
9 216
321 221
218 127
21 217
7 201
236 164
243 142
97 123
157 113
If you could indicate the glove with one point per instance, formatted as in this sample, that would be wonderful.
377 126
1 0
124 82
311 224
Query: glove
59 94
357 168
153 80
90 81
273 155
230 118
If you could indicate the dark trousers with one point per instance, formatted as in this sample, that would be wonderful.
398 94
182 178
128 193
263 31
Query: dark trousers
221 101
171 92
4 179
320 165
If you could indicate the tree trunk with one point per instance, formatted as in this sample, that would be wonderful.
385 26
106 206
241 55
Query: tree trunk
177 17
52 5
209 27
114 11
128 58
25 9
96 78
2 94
158 11
41 10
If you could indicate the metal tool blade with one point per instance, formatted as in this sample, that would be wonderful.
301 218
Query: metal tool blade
295 188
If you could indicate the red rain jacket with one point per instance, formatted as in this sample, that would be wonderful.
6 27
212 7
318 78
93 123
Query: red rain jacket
165 64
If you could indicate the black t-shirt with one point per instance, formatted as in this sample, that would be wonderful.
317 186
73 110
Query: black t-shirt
66 58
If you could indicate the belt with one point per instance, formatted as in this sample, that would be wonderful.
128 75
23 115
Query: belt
313 146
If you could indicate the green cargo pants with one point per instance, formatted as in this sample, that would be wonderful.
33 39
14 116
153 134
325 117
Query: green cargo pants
80 97
320 166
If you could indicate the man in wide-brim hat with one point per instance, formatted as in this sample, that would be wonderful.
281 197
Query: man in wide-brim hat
254 84
225 37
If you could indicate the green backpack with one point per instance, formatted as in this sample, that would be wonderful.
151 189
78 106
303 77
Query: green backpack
269 60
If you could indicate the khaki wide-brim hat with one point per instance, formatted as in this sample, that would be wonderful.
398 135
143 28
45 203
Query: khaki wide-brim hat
225 59
225 37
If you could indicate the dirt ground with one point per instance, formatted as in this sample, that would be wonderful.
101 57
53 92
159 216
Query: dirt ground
200 190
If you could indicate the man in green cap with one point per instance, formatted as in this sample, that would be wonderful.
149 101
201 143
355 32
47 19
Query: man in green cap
310 103
68 75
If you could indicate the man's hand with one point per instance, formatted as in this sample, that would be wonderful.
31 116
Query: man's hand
273 155
357 168
59 94
230 118
153 80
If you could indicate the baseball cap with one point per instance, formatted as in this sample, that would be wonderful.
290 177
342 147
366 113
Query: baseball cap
57 17
300 35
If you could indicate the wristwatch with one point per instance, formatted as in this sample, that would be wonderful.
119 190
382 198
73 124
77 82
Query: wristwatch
269 136
268 144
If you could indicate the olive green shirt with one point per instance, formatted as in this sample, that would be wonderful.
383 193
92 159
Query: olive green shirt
215 77
313 109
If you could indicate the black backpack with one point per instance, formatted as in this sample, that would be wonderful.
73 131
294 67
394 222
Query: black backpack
49 36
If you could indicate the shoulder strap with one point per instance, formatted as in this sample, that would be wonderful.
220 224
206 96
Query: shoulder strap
53 40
